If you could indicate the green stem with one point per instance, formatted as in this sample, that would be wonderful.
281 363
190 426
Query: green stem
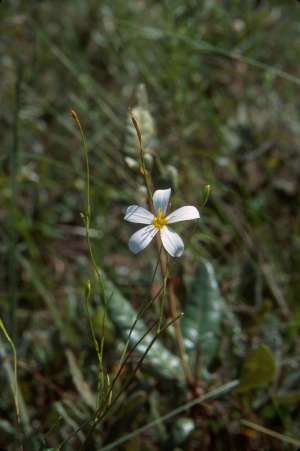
99 350
102 415
143 169
87 221
274 434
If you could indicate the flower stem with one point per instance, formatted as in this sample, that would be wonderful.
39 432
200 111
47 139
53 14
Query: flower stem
143 169
174 314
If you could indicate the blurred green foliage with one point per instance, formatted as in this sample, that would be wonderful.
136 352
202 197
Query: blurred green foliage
222 78
259 369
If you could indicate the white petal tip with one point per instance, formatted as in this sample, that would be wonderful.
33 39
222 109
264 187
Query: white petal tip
140 239
186 213
139 215
178 254
134 249
172 242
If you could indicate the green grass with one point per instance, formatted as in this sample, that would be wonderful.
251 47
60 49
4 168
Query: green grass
223 82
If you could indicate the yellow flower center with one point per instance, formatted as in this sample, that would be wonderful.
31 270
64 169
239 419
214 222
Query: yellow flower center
160 220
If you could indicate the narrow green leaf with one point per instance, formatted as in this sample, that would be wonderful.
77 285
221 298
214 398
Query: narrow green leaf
159 359
202 315
11 375
82 387
62 411
284 438
259 369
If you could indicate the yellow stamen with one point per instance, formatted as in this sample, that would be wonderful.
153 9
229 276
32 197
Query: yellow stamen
160 220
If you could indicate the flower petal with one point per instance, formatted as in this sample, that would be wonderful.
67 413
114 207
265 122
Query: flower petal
140 239
161 199
137 214
172 242
183 214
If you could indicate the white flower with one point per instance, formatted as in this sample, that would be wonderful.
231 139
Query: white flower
158 222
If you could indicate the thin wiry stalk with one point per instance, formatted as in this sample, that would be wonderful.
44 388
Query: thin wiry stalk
124 388
130 352
274 434
99 350
88 209
87 219
96 419
144 355
15 388
157 265
138 316
143 168
181 348
163 297
124 358
14 384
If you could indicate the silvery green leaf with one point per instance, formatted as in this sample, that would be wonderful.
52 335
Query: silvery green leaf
202 315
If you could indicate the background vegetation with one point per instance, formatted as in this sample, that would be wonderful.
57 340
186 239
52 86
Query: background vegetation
223 85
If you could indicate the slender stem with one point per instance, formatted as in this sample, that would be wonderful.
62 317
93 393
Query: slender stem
87 214
143 169
274 434
87 221
125 358
174 314
15 384
99 349
86 160
162 302
145 354
101 415
181 348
